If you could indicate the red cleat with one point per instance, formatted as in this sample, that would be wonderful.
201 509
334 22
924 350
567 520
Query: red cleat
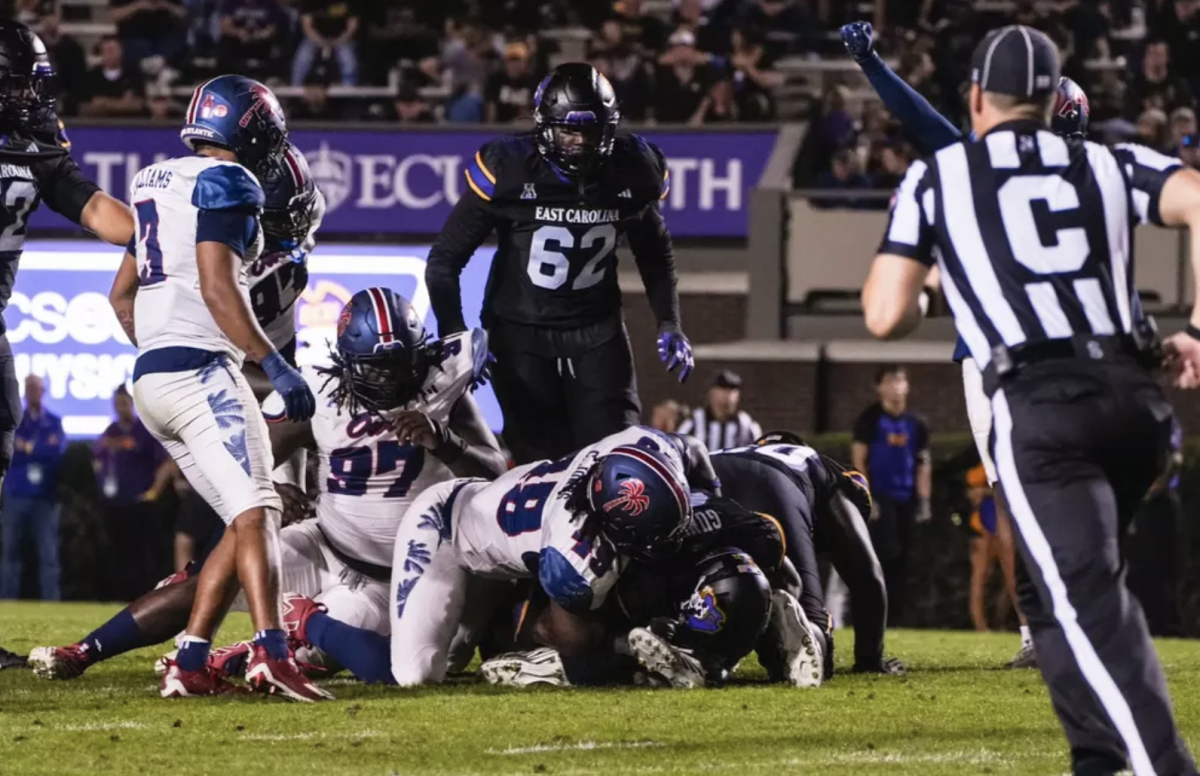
66 662
296 611
177 683
231 661
281 677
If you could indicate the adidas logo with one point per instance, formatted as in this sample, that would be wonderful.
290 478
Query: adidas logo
626 194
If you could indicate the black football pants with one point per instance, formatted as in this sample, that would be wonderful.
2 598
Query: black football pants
10 406
1076 446
562 389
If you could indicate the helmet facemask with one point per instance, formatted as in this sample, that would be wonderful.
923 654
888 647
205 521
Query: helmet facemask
576 147
383 381
26 100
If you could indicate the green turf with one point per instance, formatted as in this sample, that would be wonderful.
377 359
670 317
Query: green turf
956 713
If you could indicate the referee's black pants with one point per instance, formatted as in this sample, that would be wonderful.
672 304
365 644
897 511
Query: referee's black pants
1077 445
562 389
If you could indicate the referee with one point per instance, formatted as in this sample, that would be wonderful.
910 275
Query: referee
721 425
1033 237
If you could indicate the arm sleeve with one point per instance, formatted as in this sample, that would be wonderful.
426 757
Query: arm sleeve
468 226
910 224
1147 171
922 436
928 128
652 250
63 186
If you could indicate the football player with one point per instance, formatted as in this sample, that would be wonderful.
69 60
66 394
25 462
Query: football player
292 213
559 198
181 294
688 633
572 525
932 133
35 167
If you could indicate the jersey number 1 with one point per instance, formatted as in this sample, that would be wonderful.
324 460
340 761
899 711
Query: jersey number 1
147 223
548 264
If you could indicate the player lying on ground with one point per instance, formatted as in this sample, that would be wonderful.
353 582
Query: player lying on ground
663 626
37 166
813 496
572 525
394 416
181 293
932 132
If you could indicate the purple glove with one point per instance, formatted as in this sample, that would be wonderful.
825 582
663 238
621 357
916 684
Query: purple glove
676 352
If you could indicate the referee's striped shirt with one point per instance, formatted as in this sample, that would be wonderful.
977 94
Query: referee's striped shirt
1034 234
738 431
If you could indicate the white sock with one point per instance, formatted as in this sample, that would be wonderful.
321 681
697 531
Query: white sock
1026 639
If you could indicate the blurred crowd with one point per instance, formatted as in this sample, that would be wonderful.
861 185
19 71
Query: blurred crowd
1138 61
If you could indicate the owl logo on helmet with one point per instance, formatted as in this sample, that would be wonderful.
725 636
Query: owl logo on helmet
702 612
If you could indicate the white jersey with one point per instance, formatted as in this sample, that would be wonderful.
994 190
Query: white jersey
367 478
499 527
167 199
277 280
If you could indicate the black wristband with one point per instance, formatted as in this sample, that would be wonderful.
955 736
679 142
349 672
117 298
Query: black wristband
1192 332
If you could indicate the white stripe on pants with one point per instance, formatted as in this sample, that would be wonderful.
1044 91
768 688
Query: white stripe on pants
1090 665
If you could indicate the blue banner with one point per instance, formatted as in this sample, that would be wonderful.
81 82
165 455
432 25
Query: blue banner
405 182
62 328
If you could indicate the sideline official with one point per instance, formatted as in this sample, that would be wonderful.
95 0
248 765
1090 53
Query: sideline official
1033 238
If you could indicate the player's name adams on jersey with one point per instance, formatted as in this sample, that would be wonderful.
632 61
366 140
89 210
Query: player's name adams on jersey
366 476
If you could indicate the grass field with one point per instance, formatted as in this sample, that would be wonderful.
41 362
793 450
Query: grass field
956 713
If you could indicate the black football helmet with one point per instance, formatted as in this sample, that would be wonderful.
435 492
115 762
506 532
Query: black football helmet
728 610
1070 117
26 96
575 113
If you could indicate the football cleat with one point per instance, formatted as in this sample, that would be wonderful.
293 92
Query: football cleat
522 669
177 683
11 660
665 661
296 611
66 662
1026 657
231 661
799 649
281 677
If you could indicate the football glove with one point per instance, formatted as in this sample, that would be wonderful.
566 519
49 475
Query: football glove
858 40
676 352
291 387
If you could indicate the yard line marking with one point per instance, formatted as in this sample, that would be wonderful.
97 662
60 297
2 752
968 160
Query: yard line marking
579 746
361 734
90 726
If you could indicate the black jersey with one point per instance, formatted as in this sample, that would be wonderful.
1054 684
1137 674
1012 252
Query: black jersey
816 475
647 590
555 262
35 167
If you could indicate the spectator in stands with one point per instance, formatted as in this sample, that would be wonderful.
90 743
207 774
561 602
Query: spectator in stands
753 79
682 81
314 104
718 106
787 25
148 28
1154 85
393 33
844 174
1179 26
410 108
891 444
1152 129
666 416
70 64
251 31
721 423
466 56
31 12
893 158
113 88
835 128
31 506
132 470
625 68
710 35
160 104
645 32
328 28
508 96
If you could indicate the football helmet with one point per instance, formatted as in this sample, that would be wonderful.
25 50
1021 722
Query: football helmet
641 500
728 610
291 201
382 352
240 114
26 97
575 114
1071 110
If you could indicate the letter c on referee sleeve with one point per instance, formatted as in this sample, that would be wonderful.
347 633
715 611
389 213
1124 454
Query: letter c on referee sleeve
1093 669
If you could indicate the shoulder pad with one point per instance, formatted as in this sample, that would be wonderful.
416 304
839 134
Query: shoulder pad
227 187
488 170
647 167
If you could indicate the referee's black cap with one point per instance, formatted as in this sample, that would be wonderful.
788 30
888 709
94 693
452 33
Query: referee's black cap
1016 60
